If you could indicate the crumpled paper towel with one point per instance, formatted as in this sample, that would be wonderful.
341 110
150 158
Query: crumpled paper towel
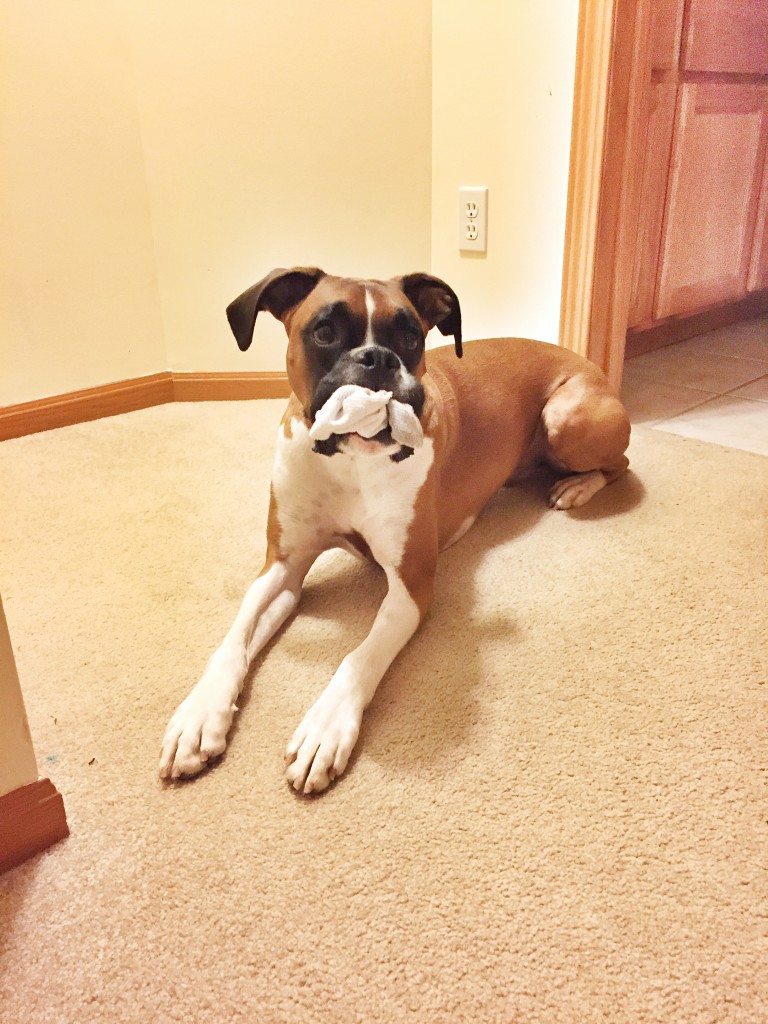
353 409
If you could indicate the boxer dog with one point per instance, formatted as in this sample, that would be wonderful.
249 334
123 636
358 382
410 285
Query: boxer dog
486 418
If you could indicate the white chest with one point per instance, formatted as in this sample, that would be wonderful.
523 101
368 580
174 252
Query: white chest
320 498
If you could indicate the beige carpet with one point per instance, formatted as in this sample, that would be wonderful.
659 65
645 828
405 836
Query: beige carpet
558 809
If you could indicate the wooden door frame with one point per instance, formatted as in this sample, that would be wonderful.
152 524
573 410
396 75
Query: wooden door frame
610 119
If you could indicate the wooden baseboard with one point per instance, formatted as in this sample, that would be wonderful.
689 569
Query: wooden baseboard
660 333
32 818
137 393
229 387
88 404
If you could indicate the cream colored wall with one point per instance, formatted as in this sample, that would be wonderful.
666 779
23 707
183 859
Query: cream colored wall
78 292
157 158
17 758
278 134
502 84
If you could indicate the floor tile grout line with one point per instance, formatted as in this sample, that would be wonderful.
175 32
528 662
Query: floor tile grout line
637 362
640 375
698 351
684 412
746 384
752 359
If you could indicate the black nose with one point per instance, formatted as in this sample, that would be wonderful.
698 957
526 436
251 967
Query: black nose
375 357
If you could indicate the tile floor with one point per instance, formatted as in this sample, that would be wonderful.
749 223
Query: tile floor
712 388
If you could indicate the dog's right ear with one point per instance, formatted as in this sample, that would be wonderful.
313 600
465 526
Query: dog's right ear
278 293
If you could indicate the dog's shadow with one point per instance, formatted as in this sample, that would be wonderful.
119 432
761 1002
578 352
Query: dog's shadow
427 703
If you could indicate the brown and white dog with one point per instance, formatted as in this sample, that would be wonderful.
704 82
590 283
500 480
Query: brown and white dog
507 405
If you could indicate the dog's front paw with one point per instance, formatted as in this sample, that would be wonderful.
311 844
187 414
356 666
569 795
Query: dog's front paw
320 748
196 733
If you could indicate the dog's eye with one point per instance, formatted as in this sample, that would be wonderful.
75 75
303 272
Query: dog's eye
412 339
324 334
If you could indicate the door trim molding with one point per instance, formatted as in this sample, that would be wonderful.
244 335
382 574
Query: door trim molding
610 117
594 42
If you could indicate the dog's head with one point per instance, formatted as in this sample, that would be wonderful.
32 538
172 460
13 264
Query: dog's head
347 331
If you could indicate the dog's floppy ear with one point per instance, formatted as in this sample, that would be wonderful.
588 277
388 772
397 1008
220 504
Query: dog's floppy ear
436 303
278 293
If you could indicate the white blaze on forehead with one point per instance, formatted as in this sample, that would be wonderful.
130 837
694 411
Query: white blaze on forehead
370 306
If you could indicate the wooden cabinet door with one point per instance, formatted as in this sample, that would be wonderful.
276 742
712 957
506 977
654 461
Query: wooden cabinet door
658 145
718 155
758 271
702 236
666 33
726 36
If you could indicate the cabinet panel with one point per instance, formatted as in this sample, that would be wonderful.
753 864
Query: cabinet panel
726 35
758 271
658 145
666 26
717 161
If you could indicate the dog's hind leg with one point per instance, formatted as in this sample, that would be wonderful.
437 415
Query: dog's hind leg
197 732
586 430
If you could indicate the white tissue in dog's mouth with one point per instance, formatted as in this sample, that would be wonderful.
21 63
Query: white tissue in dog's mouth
404 424
352 409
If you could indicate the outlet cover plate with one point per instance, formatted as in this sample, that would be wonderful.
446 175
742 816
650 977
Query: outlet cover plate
473 218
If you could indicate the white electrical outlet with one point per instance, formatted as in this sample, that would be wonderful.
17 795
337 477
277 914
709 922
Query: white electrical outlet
473 219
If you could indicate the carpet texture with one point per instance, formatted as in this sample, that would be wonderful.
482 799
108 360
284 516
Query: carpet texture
557 809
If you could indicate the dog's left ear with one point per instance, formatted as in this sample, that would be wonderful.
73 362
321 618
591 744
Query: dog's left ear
279 292
435 302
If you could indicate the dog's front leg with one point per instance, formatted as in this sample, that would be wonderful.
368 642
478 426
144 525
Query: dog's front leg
198 730
320 747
